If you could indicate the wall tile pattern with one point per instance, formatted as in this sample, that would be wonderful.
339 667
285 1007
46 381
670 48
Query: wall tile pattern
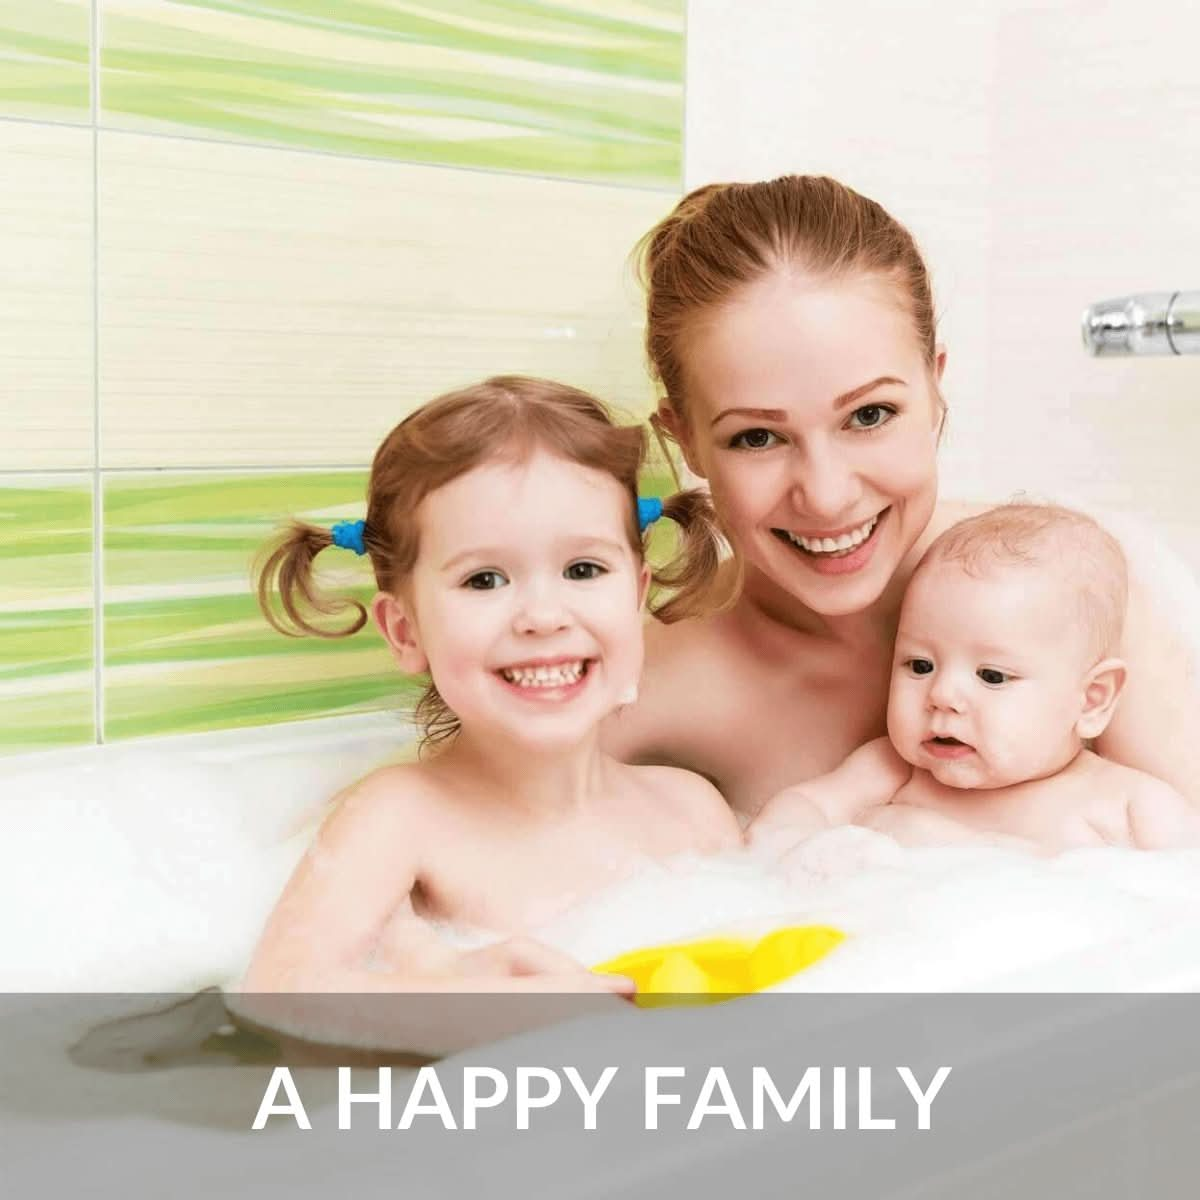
223 286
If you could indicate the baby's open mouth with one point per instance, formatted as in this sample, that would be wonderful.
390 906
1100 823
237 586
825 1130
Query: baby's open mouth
546 675
947 741
832 547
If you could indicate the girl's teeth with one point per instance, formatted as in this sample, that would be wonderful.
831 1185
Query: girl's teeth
831 545
559 675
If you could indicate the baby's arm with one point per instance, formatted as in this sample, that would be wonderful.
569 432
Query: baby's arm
1160 818
870 777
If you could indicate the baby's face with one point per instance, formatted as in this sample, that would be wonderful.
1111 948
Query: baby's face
989 675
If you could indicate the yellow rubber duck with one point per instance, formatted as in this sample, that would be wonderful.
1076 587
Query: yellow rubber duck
715 969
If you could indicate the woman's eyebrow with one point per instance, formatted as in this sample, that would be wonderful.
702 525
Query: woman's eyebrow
777 414
763 414
859 392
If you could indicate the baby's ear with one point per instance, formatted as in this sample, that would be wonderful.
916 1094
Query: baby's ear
1101 688
400 632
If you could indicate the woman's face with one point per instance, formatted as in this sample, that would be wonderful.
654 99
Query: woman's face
812 413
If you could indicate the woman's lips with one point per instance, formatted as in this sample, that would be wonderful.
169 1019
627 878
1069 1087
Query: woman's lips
835 563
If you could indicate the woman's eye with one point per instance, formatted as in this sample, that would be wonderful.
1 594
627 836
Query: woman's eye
919 666
485 581
754 439
584 570
871 416
992 677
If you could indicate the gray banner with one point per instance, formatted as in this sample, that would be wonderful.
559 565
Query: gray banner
864 1095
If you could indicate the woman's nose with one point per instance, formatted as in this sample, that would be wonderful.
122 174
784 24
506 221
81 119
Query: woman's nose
825 484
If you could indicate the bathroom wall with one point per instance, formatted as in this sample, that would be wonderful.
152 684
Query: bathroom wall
1045 156
242 240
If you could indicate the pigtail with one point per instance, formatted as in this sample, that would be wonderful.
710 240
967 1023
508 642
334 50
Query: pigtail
691 575
285 566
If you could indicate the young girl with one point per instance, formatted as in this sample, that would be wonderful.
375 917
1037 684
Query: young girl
503 528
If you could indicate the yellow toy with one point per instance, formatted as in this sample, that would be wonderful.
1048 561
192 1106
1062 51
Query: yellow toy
716 969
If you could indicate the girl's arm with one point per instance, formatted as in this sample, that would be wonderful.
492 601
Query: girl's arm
870 777
355 882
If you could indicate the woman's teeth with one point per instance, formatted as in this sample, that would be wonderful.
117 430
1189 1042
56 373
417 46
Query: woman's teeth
558 675
838 545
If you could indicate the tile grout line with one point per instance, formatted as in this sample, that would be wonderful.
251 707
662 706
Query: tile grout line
97 479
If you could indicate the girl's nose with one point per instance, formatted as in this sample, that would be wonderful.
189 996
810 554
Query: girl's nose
541 611
825 484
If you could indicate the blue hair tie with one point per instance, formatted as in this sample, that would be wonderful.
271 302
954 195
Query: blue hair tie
650 508
349 535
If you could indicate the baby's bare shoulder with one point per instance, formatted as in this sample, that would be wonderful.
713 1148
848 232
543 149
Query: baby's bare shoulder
1137 809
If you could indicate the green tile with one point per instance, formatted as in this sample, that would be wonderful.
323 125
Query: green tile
46 663
585 89
185 647
45 59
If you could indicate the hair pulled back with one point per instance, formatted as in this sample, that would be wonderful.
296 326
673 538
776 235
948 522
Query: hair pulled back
723 237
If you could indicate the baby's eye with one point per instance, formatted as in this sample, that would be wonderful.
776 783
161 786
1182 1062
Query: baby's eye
584 570
992 677
919 666
754 439
871 416
485 581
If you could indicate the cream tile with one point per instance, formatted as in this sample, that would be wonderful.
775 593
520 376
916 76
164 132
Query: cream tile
46 350
273 307
586 89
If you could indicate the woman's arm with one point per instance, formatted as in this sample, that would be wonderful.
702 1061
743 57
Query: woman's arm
1156 726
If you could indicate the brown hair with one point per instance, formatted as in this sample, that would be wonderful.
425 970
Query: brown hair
1045 535
721 238
508 416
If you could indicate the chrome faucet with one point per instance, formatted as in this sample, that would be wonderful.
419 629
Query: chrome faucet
1148 323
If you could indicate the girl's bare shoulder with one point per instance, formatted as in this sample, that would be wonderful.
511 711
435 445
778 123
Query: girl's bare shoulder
694 801
397 794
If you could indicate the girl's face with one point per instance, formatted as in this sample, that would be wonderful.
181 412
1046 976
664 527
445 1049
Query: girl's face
814 417
525 600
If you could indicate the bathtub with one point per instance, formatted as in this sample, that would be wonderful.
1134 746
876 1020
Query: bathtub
144 871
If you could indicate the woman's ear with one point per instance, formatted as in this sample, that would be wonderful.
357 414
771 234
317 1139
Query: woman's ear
667 420
1101 690
400 632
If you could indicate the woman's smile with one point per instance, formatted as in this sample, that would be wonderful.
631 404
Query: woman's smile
836 553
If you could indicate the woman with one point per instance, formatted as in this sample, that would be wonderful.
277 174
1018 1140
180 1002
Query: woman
791 326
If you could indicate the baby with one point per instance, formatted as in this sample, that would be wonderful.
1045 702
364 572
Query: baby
505 533
1004 668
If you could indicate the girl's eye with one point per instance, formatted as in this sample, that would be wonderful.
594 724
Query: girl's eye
992 677
871 416
584 570
754 439
919 666
485 581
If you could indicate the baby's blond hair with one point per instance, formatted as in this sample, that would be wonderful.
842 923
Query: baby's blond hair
1046 535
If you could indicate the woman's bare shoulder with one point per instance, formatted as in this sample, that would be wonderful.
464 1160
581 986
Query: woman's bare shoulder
681 695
